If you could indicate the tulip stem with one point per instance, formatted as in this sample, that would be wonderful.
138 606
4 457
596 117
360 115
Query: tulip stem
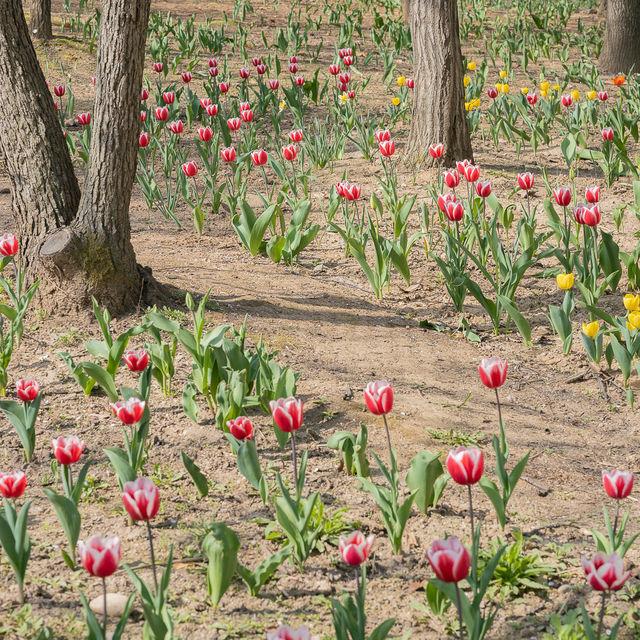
294 460
459 603
474 551
499 416
386 427
601 620
615 522
153 557
104 607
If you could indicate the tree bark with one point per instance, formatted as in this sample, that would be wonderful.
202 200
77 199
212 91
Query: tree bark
406 11
621 48
438 113
40 19
77 244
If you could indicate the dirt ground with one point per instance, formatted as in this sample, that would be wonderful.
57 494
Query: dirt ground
328 325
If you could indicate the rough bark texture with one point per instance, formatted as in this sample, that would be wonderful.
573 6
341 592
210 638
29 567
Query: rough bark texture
44 188
406 10
438 113
40 19
78 245
621 48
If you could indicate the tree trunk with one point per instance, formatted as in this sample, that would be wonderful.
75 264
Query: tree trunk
40 19
621 48
78 245
438 113
406 11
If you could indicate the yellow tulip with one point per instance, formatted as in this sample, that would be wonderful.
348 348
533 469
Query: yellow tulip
344 97
475 103
575 94
591 95
544 86
466 81
401 81
471 66
282 105
524 91
467 106
590 330
505 88
633 321
499 86
556 87
631 302
565 281
503 74
544 93
395 101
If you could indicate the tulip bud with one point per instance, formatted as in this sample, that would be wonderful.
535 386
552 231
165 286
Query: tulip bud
143 116
296 135
471 173
213 62
605 573
532 98
379 397
299 80
273 83
205 102
212 110
141 498
387 148
233 124
214 71
144 94
13 484
382 135
493 372
129 411
355 548
449 559
525 181
287 413
617 484
410 83
101 556
293 68
161 113
190 169
223 87
59 90
158 67
603 95
169 97
8 245
228 154
176 127
259 157
592 194
436 150
483 189
607 133
186 76
27 390
591 329
334 69
244 72
454 211
565 281
84 119
241 428
290 152
631 302
136 360
591 215
566 100
205 133
261 69
68 450
444 199
256 61
492 92
562 196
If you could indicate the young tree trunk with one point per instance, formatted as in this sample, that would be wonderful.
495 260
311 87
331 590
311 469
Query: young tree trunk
438 113
78 245
40 19
621 48
406 11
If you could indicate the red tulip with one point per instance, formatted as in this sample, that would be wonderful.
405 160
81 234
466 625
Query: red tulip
244 72
273 83
493 372
212 110
492 92
607 133
603 95
143 140
141 498
379 397
205 102
27 390
444 199
8 245
287 633
59 90
293 68
213 62
161 113
566 100
299 80
129 411
256 61
483 189
334 69
465 465
287 413
605 573
214 71
471 173
410 83
592 194
144 94
205 133
186 76
617 484
351 94
228 154
387 148
158 67
176 127
347 61
190 169
383 135
233 123
344 52
84 118
241 428
454 211
296 135
293 59
169 97
532 98
246 115
261 69
562 196
12 484
525 181
355 548
436 150
244 106
143 116
345 78
259 157
68 450
449 559
223 87
578 214
136 360
351 191
591 215
290 152
461 166
101 556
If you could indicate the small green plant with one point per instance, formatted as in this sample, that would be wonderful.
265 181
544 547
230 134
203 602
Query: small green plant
566 627
455 438
354 450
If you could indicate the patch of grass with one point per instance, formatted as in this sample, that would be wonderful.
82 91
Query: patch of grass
69 338
453 437
173 314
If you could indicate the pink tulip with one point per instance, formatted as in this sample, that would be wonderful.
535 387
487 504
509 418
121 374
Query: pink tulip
379 397
355 548
241 428
449 559
287 413
8 245
287 633
617 484
141 498
129 411
12 484
136 360
101 556
605 573
68 450
465 465
27 390
493 372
